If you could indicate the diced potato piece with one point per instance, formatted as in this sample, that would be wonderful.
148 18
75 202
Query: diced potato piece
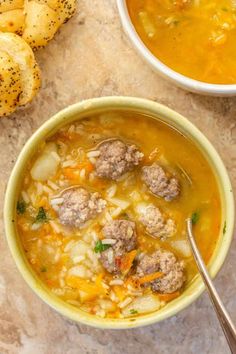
41 24
107 305
10 85
12 21
182 246
86 296
143 304
46 164
79 249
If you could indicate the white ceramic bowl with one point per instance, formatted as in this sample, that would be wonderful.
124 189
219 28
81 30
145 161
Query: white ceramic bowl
178 79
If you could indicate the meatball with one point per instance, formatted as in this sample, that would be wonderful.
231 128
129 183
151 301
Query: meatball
160 183
123 231
79 206
155 223
124 234
165 262
116 158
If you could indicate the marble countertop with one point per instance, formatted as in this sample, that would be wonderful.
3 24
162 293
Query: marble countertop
91 57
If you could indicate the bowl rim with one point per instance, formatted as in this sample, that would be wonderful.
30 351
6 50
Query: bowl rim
165 71
68 115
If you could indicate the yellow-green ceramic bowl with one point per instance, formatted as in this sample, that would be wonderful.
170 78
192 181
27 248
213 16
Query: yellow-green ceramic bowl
79 111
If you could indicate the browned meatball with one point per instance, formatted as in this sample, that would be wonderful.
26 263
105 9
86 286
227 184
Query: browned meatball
160 183
124 233
165 262
155 223
116 158
79 206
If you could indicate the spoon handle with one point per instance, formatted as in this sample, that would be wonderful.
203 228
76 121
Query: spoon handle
223 316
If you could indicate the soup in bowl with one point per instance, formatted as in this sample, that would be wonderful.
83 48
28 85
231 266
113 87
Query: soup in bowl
96 208
190 42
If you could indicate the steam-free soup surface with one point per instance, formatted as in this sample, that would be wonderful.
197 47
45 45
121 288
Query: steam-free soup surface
67 257
194 37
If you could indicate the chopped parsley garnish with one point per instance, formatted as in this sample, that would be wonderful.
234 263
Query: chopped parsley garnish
43 269
21 207
133 312
195 217
41 216
224 228
100 247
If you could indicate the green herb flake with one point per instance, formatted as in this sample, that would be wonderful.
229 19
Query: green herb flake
43 269
20 207
41 216
224 228
224 9
100 247
133 312
176 22
195 217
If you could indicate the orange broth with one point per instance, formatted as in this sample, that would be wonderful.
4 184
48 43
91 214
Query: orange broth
52 249
195 38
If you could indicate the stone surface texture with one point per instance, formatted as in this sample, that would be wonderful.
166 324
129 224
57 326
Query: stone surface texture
92 57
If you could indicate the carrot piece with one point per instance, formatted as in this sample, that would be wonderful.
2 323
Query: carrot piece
119 291
50 283
127 261
150 277
168 297
83 285
89 167
98 280
115 314
132 281
73 172
70 173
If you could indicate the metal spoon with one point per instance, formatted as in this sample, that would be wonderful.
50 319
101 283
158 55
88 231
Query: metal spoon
223 316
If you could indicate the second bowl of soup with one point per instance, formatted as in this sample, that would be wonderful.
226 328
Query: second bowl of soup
190 42
96 209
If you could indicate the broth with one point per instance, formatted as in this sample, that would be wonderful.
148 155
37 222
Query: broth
57 253
194 38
